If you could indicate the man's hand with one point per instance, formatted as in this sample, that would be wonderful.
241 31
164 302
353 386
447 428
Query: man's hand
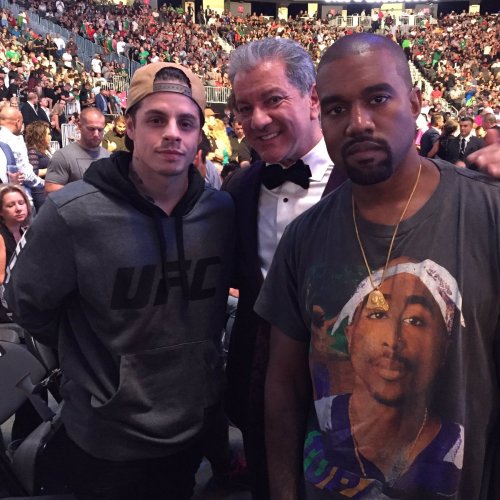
287 402
487 159
16 178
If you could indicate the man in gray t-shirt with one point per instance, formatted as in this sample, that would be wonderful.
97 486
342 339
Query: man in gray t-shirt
383 377
69 163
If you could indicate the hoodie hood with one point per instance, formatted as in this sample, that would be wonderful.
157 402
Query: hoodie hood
111 175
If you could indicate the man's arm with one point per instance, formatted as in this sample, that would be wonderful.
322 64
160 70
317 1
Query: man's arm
57 175
50 187
42 275
22 161
287 402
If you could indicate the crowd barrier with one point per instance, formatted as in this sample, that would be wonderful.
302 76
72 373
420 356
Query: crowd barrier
69 133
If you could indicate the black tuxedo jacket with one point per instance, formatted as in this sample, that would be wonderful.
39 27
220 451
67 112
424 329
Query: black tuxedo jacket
248 350
29 114
474 144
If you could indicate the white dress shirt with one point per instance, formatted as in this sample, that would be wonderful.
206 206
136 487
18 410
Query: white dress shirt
279 206
3 168
18 146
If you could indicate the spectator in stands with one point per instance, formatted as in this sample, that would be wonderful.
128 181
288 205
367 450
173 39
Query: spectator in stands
37 137
86 97
114 140
242 152
11 125
431 135
206 168
29 109
70 162
44 110
465 144
101 101
276 101
15 216
57 119
71 47
4 90
441 146
492 128
143 377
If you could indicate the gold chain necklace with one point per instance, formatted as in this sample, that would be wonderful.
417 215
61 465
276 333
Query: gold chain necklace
405 464
376 299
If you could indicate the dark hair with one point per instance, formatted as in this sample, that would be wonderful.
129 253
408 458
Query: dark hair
229 168
467 119
205 147
360 43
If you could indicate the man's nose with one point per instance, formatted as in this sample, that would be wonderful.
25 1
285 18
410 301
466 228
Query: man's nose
360 120
393 335
260 118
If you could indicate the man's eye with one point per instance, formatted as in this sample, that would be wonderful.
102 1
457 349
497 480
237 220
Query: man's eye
379 99
335 110
377 315
414 321
244 110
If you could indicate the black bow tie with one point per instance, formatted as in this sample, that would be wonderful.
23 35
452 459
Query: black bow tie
275 175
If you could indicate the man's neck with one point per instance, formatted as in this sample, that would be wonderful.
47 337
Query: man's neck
383 203
87 148
164 191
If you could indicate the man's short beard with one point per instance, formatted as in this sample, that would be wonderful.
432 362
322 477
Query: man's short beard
372 173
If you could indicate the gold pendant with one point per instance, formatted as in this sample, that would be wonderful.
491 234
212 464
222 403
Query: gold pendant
376 300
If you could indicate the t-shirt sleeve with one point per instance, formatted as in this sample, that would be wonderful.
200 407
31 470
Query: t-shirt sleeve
57 170
244 153
280 298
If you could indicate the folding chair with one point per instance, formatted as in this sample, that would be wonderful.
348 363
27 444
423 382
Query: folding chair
21 376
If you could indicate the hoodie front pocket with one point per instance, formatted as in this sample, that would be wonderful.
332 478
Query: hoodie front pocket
164 390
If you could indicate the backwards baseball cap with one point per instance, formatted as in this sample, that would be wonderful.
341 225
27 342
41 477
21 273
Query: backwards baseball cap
143 84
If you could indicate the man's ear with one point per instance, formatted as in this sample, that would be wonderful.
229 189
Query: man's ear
314 100
415 101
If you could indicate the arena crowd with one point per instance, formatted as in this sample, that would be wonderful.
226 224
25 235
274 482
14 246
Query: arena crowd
64 118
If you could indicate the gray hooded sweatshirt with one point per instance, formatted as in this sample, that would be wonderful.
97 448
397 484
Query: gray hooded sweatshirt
135 302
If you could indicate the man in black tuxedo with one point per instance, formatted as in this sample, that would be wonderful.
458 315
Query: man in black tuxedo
29 110
43 110
465 144
280 118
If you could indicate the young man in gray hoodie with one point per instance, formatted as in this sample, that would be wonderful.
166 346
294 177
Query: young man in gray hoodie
131 267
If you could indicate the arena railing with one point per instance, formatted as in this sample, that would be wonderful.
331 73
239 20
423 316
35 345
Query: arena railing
217 95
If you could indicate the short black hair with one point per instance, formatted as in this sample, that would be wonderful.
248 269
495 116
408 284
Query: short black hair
359 43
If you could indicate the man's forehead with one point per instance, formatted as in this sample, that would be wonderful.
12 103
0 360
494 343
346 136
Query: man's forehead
167 102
